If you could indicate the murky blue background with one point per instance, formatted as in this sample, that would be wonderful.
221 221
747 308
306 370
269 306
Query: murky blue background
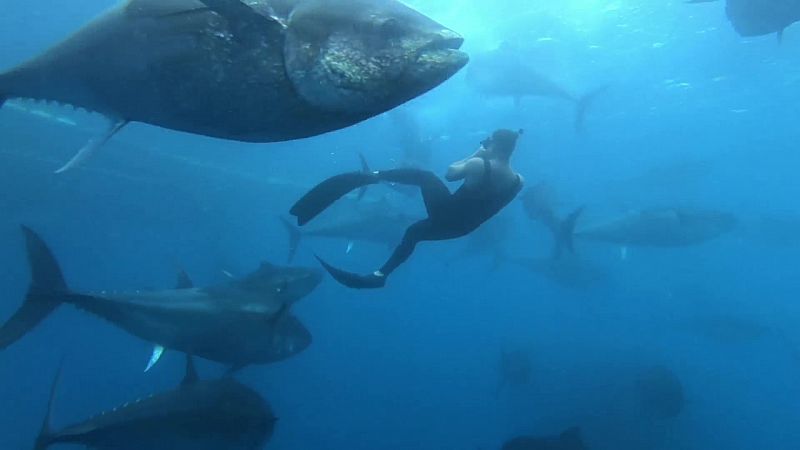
695 116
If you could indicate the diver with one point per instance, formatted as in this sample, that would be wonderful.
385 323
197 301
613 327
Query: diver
489 185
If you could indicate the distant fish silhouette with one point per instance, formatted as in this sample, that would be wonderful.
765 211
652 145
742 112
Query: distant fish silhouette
660 393
668 227
505 72
570 439
760 17
515 369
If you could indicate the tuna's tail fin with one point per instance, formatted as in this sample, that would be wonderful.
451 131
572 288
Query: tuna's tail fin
47 290
565 233
583 105
295 235
46 433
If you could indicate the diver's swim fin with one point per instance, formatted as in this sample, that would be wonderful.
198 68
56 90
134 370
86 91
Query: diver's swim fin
46 292
583 105
92 146
295 235
326 193
565 233
353 280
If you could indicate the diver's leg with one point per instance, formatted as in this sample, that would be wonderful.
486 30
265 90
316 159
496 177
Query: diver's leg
423 230
434 191
420 231
324 194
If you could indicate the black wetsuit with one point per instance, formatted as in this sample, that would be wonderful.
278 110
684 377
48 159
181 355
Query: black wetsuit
450 215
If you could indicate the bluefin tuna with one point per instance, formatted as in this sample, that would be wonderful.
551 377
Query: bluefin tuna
244 321
264 71
197 415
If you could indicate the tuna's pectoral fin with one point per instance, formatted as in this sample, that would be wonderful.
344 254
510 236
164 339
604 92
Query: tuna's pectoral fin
3 100
155 357
364 168
92 146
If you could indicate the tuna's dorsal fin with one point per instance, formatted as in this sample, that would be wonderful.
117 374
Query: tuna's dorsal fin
364 168
183 282
46 432
155 357
572 438
159 8
243 18
191 372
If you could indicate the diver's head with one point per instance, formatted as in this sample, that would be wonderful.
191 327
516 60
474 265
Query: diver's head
502 143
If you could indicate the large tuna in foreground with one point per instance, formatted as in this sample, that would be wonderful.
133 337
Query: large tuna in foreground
197 415
265 71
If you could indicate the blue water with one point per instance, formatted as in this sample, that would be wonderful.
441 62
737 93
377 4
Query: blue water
415 365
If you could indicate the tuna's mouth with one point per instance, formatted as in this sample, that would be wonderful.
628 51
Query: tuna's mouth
444 46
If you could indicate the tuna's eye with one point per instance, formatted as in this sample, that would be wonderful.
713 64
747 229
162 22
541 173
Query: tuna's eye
282 286
391 28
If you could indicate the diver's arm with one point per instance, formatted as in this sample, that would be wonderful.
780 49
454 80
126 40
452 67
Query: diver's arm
458 170
472 172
